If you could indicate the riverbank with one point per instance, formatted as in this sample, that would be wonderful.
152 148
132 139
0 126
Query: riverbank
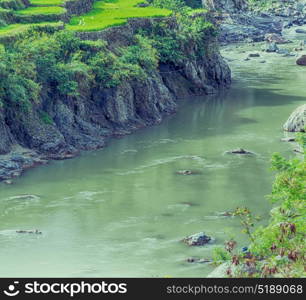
135 85
278 247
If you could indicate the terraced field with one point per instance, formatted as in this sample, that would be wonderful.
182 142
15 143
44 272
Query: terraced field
17 16
107 13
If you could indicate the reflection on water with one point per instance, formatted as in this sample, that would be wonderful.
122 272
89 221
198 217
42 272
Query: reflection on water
122 210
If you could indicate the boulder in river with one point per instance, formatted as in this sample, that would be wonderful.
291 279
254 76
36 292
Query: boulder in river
301 61
275 38
254 55
300 31
198 239
240 151
297 120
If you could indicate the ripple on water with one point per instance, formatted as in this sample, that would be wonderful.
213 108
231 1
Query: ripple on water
171 159
23 198
129 151
159 142
180 207
130 172
81 199
19 202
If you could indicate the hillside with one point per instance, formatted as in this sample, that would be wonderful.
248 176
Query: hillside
17 16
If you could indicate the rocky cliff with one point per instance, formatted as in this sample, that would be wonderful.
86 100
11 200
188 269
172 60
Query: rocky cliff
85 122
226 5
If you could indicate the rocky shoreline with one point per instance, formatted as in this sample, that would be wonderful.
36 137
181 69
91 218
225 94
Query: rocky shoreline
86 122
239 21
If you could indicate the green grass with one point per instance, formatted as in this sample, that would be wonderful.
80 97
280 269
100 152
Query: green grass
109 13
41 10
105 13
14 29
47 2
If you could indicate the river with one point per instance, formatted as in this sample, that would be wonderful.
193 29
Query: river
122 210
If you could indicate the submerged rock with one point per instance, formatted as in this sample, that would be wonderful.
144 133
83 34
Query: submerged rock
254 55
184 172
29 231
300 30
240 151
198 239
198 260
297 120
288 139
188 203
24 197
225 214
187 172
298 150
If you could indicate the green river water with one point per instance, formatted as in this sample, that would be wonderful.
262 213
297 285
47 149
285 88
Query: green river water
121 210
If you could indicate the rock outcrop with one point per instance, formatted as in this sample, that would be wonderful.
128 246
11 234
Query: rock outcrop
297 120
226 5
86 121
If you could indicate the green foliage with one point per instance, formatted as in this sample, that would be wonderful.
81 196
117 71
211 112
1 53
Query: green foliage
18 86
220 255
247 220
45 118
46 61
142 53
279 249
2 23
174 5
172 44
